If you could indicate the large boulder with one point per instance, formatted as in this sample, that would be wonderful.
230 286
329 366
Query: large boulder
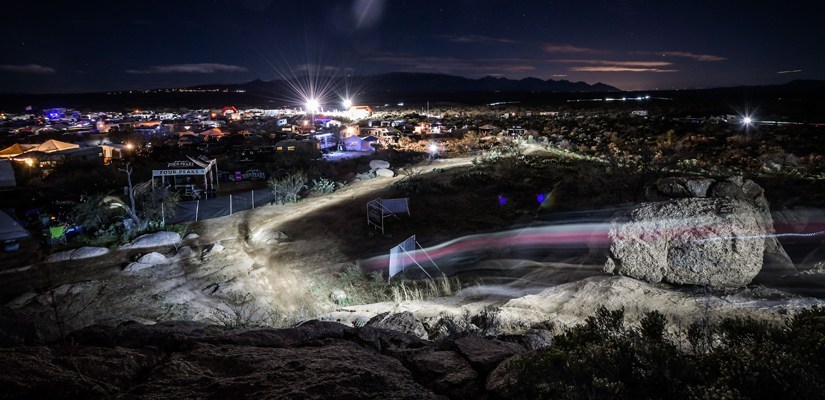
267 237
485 354
379 164
88 252
59 256
446 372
384 173
148 260
696 241
157 239
684 186
77 254
403 322
775 261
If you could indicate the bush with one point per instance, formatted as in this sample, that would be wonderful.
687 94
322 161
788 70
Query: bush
325 186
603 358
287 188
414 183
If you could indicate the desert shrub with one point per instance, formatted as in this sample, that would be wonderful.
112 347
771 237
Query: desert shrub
287 188
415 183
603 358
423 289
472 178
242 310
324 186
364 288
652 327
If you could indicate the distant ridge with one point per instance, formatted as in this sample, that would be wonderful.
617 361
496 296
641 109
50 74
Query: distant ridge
413 82
799 99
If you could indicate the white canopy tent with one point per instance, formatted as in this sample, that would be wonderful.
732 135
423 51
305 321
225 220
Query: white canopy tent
180 173
11 229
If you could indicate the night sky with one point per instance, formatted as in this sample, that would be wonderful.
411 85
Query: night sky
82 46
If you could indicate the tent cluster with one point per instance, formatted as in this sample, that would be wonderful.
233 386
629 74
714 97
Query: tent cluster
18 151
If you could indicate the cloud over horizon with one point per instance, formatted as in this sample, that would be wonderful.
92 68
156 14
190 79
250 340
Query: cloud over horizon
568 49
416 63
614 68
614 63
476 39
202 68
687 54
28 69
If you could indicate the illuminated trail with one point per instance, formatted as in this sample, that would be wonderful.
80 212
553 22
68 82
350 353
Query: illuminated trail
765 236
472 249
544 237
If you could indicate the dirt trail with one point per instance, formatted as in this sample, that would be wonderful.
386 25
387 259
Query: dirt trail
209 284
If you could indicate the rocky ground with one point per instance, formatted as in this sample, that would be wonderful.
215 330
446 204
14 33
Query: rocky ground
174 360
699 249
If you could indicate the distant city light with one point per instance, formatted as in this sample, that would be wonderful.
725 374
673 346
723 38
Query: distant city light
347 104
313 105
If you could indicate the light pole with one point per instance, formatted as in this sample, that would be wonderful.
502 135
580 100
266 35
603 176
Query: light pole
312 106
747 121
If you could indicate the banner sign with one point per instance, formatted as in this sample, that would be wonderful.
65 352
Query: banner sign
180 164
171 172
250 175
375 214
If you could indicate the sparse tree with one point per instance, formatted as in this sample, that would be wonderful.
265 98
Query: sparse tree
131 210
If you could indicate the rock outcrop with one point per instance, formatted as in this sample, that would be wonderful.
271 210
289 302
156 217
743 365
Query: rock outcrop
384 173
684 187
699 241
716 233
157 239
316 359
404 322
267 237
77 254
148 260
379 164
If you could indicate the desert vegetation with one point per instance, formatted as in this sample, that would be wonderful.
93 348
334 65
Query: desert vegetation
606 358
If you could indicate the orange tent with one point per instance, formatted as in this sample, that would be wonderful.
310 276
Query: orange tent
16 149
52 145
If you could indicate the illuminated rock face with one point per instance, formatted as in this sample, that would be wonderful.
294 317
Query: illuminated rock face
378 164
717 242
156 239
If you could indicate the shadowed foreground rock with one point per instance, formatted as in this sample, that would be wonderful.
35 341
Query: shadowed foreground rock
316 360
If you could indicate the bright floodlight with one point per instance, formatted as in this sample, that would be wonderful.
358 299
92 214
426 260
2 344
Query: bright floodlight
313 105
747 120
347 104
433 148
